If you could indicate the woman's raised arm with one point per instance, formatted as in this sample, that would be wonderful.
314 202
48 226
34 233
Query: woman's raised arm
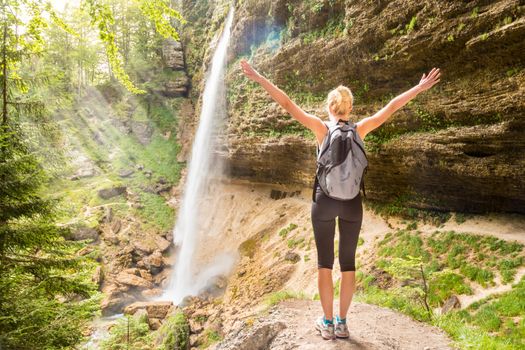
368 124
310 121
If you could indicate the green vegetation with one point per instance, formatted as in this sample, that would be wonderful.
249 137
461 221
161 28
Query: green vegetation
277 297
430 269
247 247
174 332
407 29
131 332
284 232
210 337
65 108
46 292
118 336
296 242
400 206
335 27
421 121
474 12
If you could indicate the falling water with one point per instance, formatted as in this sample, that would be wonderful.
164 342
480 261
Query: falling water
186 280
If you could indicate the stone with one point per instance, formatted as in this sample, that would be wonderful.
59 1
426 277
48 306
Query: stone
154 323
115 226
115 302
162 243
258 337
84 233
144 246
98 276
108 214
451 303
107 193
154 262
126 172
155 309
172 54
133 280
150 293
143 131
292 257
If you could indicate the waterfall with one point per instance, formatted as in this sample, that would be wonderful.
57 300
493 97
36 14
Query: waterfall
186 278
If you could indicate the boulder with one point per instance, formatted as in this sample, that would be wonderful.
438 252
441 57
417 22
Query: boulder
154 262
133 280
126 172
83 233
451 303
172 54
258 337
115 226
155 309
162 243
107 193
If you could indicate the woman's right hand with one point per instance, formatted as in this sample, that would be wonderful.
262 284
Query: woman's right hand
428 81
249 71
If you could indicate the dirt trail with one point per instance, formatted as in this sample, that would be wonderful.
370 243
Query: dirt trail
290 325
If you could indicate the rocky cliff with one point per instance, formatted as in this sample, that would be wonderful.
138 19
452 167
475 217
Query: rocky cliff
459 146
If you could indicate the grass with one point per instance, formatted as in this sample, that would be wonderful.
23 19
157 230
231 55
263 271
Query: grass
334 27
453 262
400 207
155 210
276 297
209 337
284 231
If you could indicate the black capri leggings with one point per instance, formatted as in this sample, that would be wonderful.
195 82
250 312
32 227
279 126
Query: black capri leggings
349 215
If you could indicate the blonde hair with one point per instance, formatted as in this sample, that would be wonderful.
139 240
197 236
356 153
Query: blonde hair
341 100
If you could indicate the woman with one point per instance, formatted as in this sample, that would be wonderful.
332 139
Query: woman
325 209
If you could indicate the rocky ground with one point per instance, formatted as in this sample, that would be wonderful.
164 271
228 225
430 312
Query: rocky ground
290 325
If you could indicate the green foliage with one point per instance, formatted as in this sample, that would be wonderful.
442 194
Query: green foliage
495 322
335 27
138 334
444 284
175 332
449 260
46 293
210 337
156 210
407 29
277 297
101 15
296 242
474 12
284 232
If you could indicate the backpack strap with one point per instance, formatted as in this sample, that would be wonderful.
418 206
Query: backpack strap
316 181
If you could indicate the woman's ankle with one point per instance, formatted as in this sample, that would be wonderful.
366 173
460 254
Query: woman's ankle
328 321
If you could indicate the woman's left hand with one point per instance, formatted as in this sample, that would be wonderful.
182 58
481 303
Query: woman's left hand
249 71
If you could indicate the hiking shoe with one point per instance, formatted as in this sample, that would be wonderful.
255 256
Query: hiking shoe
341 330
327 330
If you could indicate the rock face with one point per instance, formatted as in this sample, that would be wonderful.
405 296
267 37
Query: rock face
459 146
172 54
